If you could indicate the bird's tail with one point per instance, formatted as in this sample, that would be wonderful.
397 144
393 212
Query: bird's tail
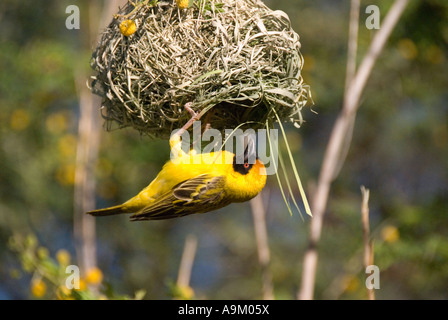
108 211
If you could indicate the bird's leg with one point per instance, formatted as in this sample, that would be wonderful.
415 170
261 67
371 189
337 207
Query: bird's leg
194 117
175 141
193 150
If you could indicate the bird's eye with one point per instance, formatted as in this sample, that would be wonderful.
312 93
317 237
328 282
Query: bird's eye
246 165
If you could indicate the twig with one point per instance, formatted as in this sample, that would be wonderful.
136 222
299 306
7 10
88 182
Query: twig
84 193
336 288
87 149
186 262
86 157
368 244
338 136
352 46
261 236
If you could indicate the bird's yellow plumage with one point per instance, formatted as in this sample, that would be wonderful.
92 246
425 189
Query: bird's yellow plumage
194 183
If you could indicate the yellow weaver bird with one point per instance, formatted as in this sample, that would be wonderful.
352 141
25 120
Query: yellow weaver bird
195 183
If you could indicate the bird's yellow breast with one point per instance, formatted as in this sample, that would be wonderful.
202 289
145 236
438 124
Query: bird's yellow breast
238 187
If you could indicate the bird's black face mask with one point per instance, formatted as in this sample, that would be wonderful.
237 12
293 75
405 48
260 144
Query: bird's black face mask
248 159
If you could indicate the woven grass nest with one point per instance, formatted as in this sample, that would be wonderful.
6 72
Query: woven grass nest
236 61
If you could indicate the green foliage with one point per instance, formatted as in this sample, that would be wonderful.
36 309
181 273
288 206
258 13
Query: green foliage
50 275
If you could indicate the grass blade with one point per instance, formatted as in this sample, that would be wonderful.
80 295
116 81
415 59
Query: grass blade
296 174
276 170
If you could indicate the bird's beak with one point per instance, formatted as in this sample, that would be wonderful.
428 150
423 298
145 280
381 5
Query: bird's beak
250 150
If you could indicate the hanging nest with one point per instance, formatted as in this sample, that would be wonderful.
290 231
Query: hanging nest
237 61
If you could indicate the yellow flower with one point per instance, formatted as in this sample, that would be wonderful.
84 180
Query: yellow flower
82 285
183 4
127 27
63 257
435 55
94 276
185 292
390 233
38 288
57 122
407 49
65 174
63 293
20 119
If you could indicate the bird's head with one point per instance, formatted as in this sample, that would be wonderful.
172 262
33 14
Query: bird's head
243 163
249 175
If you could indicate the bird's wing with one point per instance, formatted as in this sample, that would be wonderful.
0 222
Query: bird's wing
197 195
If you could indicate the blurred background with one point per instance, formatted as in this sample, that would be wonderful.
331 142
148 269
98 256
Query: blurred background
399 151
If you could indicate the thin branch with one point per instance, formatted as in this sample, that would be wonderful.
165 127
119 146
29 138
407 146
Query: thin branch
88 143
365 68
335 145
352 46
368 244
261 236
84 193
354 266
365 224
186 262
86 158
